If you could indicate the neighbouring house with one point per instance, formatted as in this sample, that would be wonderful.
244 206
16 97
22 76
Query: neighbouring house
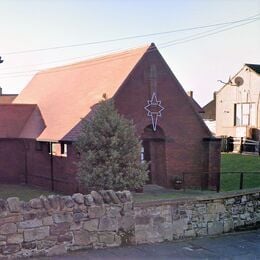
195 104
209 115
237 105
210 109
6 98
37 132
208 112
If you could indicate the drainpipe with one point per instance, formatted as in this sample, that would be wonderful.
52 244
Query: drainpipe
51 161
25 163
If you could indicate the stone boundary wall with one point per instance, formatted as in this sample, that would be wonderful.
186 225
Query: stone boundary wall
56 224
189 218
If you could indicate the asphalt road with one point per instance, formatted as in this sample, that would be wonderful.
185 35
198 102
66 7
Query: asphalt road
243 245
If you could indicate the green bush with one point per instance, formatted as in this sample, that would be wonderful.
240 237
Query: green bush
109 151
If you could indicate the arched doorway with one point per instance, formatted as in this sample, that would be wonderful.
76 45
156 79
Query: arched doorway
153 149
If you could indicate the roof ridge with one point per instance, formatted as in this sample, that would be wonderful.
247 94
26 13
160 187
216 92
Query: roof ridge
253 64
254 67
17 104
102 58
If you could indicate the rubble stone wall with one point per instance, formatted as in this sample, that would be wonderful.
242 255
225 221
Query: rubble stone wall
56 224
159 221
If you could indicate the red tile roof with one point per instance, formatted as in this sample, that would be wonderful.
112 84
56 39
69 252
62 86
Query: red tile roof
15 120
7 98
66 94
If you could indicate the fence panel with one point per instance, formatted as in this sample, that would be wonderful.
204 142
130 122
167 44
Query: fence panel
228 180
239 180
235 144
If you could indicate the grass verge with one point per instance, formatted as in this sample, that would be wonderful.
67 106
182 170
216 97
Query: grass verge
24 192
232 165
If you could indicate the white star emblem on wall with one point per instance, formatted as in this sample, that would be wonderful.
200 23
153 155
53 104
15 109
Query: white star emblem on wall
154 110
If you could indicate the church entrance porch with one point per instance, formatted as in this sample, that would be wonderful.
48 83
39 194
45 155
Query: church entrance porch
154 152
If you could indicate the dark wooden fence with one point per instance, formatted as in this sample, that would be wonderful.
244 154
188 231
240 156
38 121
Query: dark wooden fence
231 144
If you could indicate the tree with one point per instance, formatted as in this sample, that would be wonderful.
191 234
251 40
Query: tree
110 151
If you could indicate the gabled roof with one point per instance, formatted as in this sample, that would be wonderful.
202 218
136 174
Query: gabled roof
254 67
196 106
15 120
210 110
7 98
67 94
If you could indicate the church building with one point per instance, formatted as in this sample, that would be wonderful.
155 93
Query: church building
38 130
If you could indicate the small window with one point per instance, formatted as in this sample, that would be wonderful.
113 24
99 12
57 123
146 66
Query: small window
142 154
58 149
53 148
64 149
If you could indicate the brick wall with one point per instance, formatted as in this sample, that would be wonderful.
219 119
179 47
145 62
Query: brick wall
181 148
23 162
12 160
184 130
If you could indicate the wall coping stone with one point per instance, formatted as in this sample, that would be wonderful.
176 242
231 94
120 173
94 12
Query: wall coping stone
55 202
228 194
206 197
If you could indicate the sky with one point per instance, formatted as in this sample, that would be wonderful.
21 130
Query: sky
197 57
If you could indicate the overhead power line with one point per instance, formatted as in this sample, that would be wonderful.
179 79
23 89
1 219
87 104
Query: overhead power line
62 60
129 37
161 46
203 34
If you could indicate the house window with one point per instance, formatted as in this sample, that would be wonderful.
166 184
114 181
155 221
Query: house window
64 149
142 154
245 114
58 149
52 148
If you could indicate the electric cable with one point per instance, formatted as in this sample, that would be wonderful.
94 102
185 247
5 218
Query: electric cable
128 37
162 45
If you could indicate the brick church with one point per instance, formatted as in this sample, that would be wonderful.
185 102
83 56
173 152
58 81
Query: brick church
38 129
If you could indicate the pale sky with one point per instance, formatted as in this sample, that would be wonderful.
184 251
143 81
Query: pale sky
198 64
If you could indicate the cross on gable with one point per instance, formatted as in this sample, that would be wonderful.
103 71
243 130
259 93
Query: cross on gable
151 77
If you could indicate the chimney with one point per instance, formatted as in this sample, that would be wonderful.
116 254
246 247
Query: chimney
190 93
1 92
214 95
